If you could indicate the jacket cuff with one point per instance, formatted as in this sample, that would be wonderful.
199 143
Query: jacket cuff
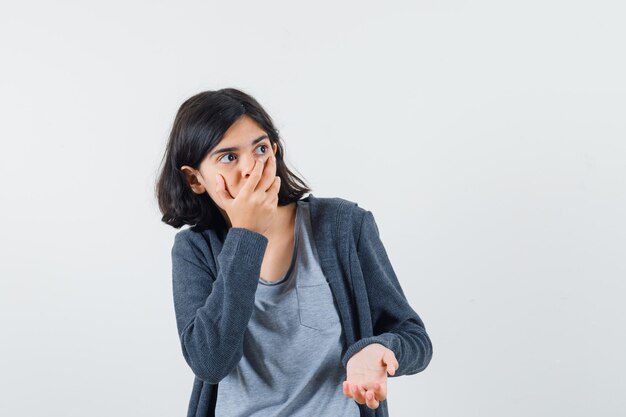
389 340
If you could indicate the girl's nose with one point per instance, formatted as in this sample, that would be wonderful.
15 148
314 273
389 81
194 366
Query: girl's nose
248 165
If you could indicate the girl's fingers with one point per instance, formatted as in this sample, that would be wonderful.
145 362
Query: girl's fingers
370 400
220 188
346 389
379 390
390 360
275 185
269 174
357 394
370 394
253 179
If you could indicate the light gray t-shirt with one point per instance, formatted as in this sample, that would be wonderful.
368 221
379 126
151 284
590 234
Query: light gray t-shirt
291 364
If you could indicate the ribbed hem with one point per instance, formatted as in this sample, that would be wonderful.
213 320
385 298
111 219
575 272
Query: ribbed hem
245 245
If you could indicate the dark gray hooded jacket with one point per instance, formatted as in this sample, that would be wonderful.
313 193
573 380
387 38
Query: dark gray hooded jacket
215 280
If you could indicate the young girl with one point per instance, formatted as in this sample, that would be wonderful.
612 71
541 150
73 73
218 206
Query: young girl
285 306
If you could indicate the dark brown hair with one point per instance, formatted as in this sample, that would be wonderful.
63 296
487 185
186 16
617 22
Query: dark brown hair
200 124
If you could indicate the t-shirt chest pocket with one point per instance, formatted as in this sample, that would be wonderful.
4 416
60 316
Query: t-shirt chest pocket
316 306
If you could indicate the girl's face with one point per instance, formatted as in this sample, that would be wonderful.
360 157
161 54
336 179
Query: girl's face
233 158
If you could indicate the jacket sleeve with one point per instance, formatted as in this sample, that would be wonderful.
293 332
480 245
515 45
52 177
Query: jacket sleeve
212 312
395 324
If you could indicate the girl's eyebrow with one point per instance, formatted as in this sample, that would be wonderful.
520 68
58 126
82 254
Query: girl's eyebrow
234 148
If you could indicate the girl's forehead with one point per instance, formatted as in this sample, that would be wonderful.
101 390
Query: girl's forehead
243 129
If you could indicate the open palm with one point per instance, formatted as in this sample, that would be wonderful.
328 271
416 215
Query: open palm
367 372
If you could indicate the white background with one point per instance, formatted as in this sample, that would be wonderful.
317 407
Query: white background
487 137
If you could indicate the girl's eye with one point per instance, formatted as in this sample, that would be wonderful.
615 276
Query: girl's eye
221 159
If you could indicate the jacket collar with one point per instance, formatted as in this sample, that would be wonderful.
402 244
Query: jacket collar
331 221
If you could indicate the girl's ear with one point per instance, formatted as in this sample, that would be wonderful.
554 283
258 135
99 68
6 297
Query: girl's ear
275 146
192 180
